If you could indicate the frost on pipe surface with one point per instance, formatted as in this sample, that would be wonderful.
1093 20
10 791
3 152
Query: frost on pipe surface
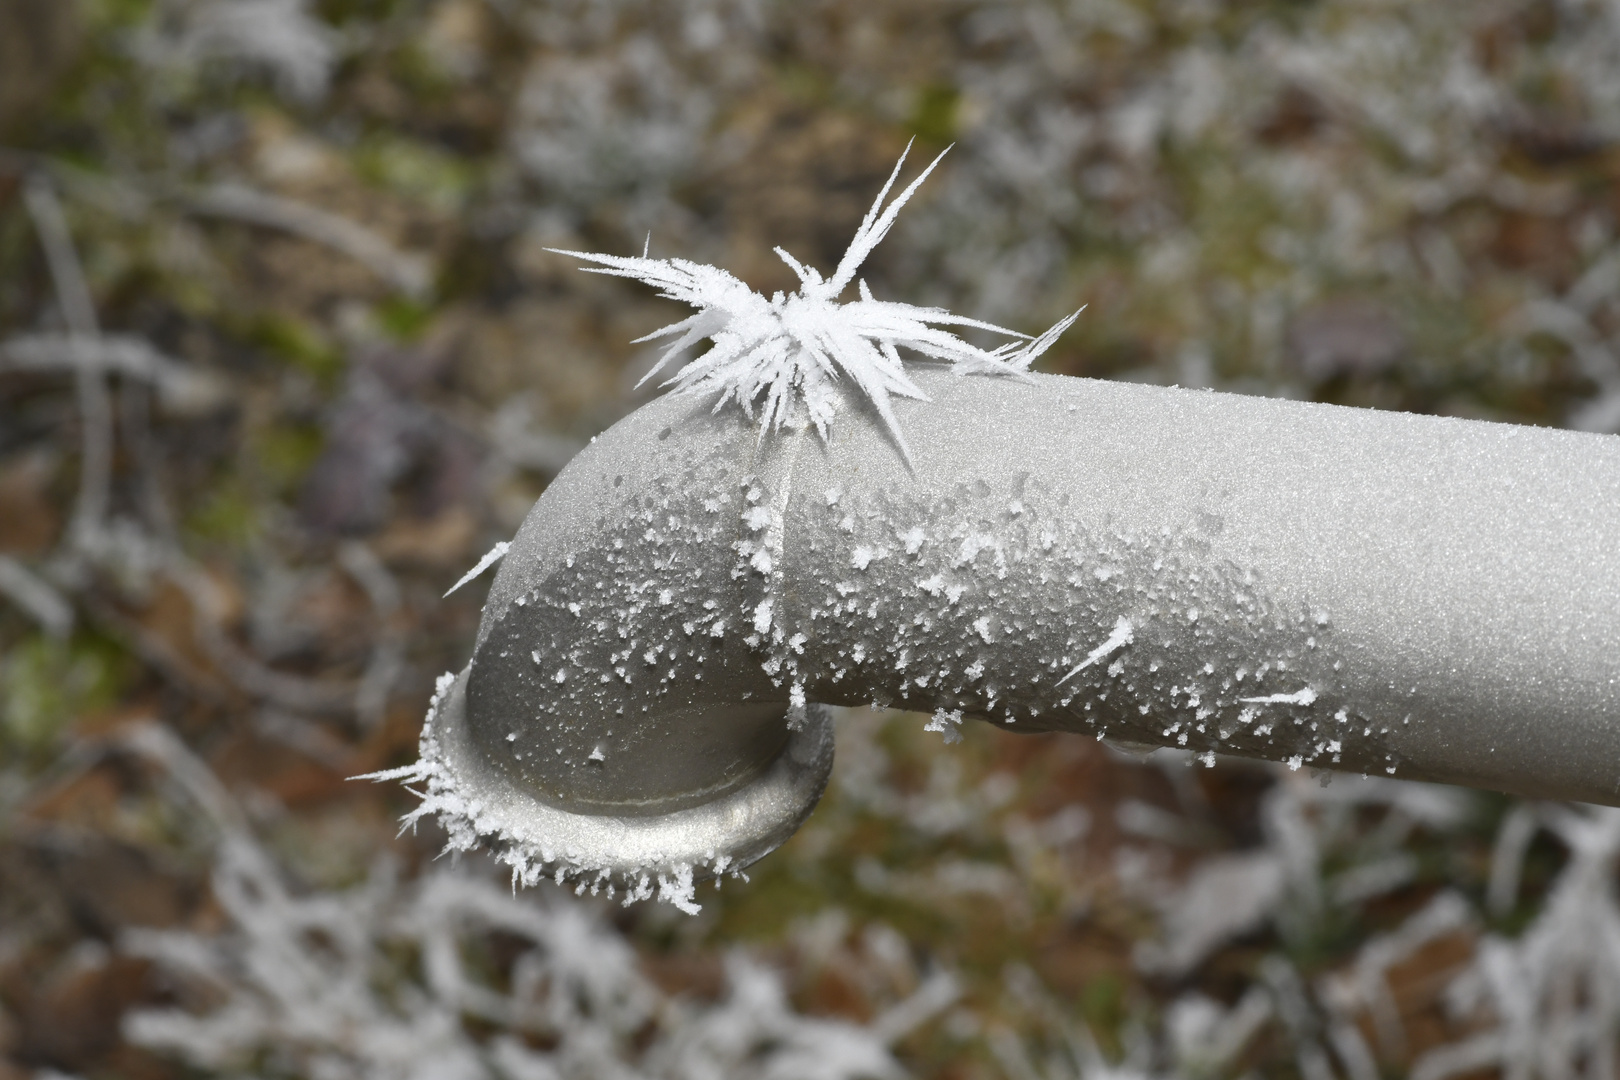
1386 593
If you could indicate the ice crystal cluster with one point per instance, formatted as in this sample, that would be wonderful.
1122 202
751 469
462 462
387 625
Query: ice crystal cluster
776 354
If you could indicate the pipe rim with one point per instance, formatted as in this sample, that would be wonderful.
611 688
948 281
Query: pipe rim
723 834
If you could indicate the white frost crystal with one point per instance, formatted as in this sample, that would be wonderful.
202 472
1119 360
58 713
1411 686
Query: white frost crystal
1300 697
948 722
794 348
1122 635
491 557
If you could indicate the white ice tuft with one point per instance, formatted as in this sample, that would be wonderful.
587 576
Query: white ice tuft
793 349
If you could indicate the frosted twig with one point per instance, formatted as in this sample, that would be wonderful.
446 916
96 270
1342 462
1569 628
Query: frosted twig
937 993
1473 1055
67 276
162 747
1513 838
154 651
410 274
314 740
1367 986
135 419
1554 992
35 596
157 745
248 673
388 649
78 311
280 36
143 554
179 384
1225 897
1352 1049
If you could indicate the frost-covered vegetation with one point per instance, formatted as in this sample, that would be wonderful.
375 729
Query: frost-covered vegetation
283 349
391 978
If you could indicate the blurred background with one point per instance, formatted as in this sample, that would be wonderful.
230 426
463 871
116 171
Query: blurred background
282 353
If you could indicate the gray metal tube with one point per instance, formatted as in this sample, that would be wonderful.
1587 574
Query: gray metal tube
1414 596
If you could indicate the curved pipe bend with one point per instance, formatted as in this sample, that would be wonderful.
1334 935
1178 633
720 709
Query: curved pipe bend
1377 592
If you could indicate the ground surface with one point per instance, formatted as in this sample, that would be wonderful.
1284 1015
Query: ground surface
282 353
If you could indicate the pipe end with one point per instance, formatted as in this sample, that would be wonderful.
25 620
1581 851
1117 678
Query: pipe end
648 856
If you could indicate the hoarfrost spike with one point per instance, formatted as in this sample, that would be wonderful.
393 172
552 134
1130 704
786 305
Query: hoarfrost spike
771 356
491 557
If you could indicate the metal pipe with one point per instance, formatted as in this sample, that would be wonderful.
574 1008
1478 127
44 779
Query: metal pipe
1415 596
